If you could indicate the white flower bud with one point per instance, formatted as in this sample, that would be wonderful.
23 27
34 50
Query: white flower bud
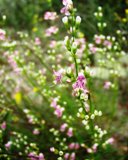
100 113
95 14
78 114
104 24
80 110
100 14
4 17
118 31
86 117
85 122
99 24
96 113
87 127
74 47
61 153
65 20
66 41
92 116
78 20
100 8
84 96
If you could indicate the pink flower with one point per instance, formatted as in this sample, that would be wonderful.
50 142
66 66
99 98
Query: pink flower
54 102
98 40
81 77
77 146
41 156
66 156
107 85
50 15
8 145
110 140
58 76
51 30
80 84
65 11
2 34
107 43
36 131
52 44
32 156
89 150
71 146
63 127
13 64
81 44
67 6
52 149
92 48
30 120
3 125
87 107
94 147
58 111
70 132
67 2
74 146
37 41
73 156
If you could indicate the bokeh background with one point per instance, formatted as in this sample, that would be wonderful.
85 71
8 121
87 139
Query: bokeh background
23 21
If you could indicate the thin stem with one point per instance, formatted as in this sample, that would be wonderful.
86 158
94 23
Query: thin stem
76 66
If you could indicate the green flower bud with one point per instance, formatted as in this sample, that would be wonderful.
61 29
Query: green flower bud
67 43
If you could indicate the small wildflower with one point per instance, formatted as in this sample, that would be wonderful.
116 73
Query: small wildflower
51 30
58 76
58 111
63 127
73 156
3 125
8 145
36 131
50 15
66 156
37 41
52 149
107 85
70 132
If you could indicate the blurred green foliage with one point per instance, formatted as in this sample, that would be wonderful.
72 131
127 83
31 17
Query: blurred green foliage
24 14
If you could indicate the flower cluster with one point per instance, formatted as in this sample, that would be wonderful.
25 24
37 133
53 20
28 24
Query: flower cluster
68 4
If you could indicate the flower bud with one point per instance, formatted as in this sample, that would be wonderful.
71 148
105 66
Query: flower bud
74 47
78 20
67 43
104 24
65 20
99 24
100 8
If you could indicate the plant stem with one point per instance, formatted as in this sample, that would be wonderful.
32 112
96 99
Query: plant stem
76 66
